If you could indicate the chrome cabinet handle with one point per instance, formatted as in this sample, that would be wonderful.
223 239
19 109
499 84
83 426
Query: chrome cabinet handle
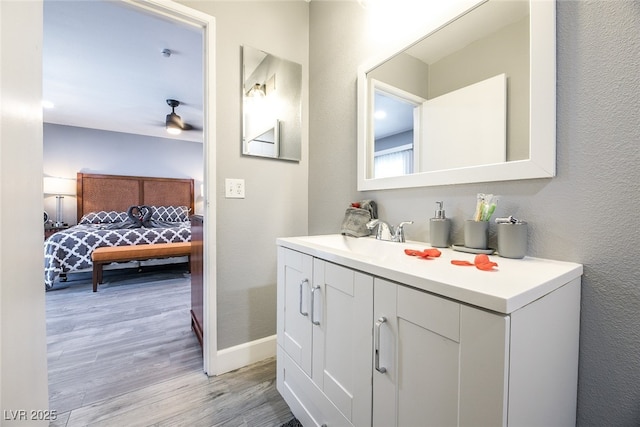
304 313
313 303
376 344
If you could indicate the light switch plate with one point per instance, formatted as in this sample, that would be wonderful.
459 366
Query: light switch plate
234 188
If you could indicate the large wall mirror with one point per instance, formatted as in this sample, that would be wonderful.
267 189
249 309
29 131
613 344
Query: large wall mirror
271 105
472 101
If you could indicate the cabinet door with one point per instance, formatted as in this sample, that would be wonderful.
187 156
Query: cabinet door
437 362
416 358
342 301
294 286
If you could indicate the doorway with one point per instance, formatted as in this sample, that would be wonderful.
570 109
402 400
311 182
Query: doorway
183 15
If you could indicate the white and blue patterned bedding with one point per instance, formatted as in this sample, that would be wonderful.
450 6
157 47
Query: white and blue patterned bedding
70 250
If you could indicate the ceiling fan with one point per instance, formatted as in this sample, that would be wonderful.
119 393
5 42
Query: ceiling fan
173 122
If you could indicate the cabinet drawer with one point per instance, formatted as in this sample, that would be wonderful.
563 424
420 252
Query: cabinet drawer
430 312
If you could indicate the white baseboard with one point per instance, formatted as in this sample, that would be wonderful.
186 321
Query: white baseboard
245 354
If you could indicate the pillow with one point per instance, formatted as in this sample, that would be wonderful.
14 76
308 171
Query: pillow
170 213
103 217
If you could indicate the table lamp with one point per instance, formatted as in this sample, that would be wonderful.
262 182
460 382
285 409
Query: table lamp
60 187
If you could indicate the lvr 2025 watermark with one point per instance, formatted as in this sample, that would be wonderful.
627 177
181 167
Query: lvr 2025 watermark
29 415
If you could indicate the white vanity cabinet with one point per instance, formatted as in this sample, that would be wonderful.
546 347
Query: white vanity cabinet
324 340
392 340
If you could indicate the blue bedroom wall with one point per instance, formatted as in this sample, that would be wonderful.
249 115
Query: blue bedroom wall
68 150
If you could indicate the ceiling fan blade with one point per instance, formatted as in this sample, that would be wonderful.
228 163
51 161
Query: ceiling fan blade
192 127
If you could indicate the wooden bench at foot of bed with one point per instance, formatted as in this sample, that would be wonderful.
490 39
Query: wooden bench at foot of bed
109 254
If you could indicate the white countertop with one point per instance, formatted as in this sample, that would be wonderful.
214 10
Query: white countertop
510 286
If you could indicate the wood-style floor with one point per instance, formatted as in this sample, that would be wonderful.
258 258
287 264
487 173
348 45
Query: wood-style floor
126 356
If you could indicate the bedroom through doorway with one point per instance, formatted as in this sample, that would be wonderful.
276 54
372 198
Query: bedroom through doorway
107 141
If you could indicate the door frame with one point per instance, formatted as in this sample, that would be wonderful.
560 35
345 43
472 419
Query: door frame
178 12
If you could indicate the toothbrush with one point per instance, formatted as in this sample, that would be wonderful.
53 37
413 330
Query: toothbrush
489 212
479 208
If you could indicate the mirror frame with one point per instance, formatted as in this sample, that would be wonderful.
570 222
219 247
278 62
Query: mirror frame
542 115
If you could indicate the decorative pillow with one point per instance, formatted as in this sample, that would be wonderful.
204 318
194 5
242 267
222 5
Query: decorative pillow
170 213
103 217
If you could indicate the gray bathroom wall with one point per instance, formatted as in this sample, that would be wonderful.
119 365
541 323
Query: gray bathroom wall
276 201
584 215
504 51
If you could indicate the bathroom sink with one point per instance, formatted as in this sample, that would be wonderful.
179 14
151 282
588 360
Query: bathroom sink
364 248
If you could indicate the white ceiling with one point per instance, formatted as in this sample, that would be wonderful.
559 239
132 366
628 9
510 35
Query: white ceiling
470 27
480 22
103 68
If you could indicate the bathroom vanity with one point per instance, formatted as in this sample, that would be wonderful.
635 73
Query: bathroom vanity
368 336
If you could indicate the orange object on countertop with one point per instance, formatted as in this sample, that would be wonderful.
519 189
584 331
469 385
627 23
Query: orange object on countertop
481 261
427 253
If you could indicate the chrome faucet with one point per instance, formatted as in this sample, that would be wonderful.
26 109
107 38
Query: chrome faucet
387 232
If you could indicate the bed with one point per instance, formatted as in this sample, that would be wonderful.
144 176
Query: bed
117 210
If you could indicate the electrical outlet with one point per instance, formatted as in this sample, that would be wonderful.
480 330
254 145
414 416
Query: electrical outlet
234 188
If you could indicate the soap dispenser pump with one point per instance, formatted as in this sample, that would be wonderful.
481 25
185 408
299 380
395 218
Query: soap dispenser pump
439 228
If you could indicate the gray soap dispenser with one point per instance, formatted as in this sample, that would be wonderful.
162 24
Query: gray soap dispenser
439 228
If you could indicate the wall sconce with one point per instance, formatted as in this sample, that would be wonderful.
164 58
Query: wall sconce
60 187
257 91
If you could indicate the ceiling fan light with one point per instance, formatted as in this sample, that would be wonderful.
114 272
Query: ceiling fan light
173 124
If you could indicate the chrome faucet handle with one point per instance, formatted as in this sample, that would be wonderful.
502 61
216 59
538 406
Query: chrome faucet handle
372 224
399 234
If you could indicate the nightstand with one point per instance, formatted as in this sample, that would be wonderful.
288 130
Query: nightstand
196 264
49 230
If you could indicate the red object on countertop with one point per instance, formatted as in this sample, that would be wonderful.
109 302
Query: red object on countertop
427 253
481 261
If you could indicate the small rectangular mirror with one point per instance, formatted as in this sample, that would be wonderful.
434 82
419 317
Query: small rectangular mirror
271 105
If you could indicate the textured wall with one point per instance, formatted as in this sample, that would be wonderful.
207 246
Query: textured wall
582 215
276 191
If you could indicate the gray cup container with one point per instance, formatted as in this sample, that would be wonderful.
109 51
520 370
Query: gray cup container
476 234
512 240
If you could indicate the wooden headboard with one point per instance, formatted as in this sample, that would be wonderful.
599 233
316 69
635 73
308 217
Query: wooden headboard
118 192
